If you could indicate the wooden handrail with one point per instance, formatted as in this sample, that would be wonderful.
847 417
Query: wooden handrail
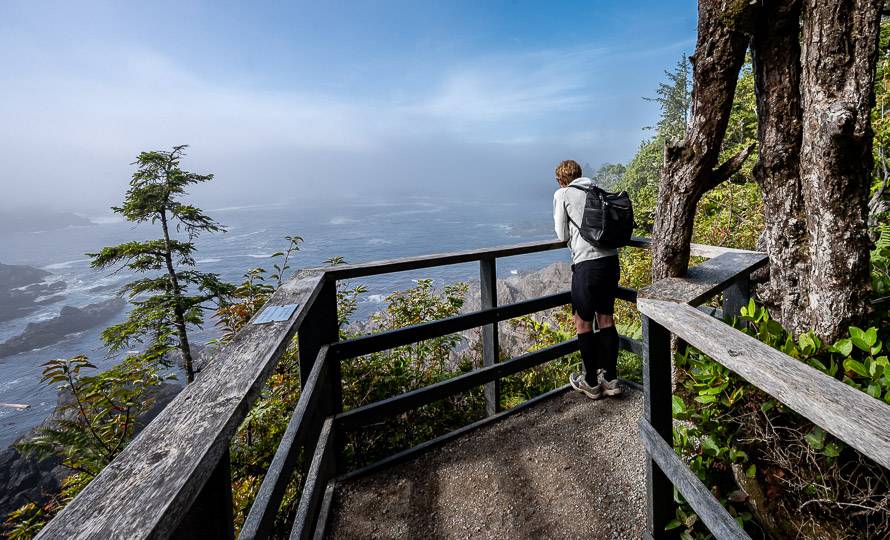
373 343
148 488
702 501
706 279
303 428
824 400
349 271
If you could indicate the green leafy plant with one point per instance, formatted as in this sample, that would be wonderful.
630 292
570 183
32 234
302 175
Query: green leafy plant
732 434
97 417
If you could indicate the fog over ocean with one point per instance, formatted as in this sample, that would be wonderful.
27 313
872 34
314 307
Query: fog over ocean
359 232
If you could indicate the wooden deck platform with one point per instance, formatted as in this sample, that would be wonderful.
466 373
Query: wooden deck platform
567 467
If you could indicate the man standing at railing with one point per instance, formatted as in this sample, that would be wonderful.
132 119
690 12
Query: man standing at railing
595 274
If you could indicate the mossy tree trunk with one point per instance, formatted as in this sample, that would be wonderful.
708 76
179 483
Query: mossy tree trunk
840 43
690 167
776 58
814 98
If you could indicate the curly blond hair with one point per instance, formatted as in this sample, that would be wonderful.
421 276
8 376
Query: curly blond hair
567 171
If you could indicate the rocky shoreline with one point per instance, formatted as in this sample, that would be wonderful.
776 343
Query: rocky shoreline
70 320
24 290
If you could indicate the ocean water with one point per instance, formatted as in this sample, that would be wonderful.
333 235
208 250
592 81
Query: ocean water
359 232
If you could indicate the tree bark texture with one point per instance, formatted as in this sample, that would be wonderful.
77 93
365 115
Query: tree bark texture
776 59
689 167
840 40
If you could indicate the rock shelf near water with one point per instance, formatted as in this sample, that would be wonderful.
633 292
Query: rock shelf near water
23 290
70 320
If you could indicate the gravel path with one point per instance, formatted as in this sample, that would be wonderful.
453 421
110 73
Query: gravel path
566 468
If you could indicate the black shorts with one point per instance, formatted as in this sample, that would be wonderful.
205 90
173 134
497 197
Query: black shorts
594 285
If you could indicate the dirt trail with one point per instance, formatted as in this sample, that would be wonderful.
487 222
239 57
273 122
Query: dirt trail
566 468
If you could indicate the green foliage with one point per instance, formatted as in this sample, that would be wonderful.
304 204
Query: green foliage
674 96
641 182
609 176
173 296
94 422
726 423
381 375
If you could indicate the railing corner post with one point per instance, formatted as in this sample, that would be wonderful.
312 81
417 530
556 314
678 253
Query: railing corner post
488 288
319 328
211 514
657 412
736 296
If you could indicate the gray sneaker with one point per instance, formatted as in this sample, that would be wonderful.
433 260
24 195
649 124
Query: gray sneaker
578 383
610 388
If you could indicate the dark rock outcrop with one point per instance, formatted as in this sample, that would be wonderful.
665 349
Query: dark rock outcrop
69 320
23 290
513 341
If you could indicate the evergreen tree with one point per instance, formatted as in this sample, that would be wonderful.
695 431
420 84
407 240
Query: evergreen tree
173 295
674 96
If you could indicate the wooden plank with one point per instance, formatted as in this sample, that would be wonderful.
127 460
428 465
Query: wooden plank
324 513
707 279
147 489
419 332
488 288
657 413
709 510
350 271
304 427
320 472
387 408
697 250
847 413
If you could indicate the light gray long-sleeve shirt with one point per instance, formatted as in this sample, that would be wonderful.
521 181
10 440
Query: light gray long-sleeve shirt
572 201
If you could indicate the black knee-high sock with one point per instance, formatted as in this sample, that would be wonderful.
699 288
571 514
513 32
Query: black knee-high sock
608 352
589 356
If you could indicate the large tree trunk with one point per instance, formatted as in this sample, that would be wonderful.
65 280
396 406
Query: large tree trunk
689 168
776 54
840 39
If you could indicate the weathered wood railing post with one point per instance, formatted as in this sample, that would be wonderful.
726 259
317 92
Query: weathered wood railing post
211 514
319 328
488 287
657 412
735 296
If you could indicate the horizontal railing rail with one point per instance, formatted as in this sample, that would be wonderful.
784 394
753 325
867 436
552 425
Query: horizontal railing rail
350 271
412 334
302 431
149 488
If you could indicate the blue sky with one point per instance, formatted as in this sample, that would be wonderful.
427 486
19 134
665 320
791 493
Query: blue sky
279 100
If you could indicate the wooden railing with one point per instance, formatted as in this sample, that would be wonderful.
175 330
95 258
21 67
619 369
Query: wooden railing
668 307
174 480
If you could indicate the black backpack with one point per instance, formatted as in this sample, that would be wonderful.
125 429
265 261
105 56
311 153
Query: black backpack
608 220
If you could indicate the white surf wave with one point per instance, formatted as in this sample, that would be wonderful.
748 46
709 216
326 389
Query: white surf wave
65 264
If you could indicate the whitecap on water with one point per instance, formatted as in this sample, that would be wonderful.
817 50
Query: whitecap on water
342 221
66 264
